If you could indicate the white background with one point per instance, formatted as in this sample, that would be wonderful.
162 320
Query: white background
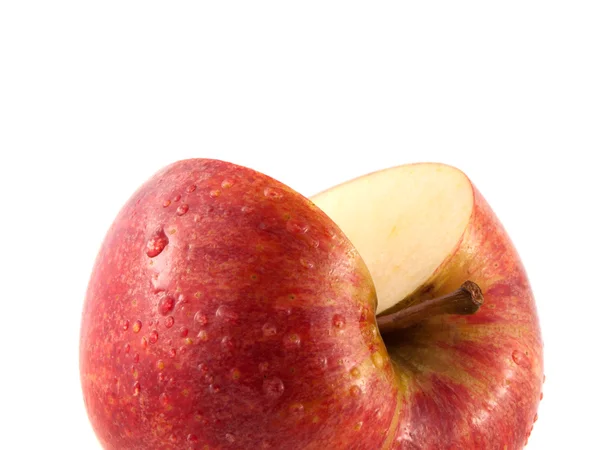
97 96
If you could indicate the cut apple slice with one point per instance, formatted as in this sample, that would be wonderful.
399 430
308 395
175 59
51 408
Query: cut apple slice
464 381
404 221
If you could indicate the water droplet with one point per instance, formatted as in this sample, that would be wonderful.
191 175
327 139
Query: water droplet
296 226
157 243
355 391
125 325
137 326
202 335
172 353
247 209
323 362
377 360
229 438
161 377
358 426
535 418
215 193
214 388
355 372
144 342
226 184
269 330
297 409
200 319
191 188
153 338
273 387
166 203
163 399
136 388
291 341
188 341
183 332
177 198
127 348
166 304
182 209
227 344
520 358
307 263
203 368
136 358
226 313
273 193
169 322
160 364
192 438
339 321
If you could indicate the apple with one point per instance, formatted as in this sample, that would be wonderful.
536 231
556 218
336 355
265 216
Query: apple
225 310
464 381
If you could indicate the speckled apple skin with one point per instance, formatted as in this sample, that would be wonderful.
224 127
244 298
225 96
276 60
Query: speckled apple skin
226 311
472 382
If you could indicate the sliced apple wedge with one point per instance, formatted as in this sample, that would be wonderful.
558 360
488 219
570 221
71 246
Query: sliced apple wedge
465 381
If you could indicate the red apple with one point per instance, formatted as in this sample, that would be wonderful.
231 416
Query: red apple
225 310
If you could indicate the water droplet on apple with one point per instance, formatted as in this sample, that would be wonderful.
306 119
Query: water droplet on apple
520 358
296 226
377 360
291 341
153 338
163 399
169 322
166 203
227 344
273 387
269 330
166 304
125 325
192 438
224 312
200 319
183 332
273 193
137 326
144 342
247 209
355 391
355 372
230 438
157 243
202 335
182 209
191 188
127 348
214 193
136 388
172 353
177 198
226 184
214 388
136 358
297 409
339 321
307 263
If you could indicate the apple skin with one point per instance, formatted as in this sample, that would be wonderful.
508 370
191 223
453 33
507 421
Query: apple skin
225 310
472 382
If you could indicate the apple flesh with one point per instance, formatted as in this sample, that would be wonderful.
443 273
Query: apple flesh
225 310
464 382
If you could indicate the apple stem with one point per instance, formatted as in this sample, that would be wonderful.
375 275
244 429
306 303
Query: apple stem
465 300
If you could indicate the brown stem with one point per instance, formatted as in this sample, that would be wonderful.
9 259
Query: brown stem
465 300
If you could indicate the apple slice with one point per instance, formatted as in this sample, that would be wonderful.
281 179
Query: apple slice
466 381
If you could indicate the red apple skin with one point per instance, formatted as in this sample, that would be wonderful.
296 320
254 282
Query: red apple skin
473 382
225 310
